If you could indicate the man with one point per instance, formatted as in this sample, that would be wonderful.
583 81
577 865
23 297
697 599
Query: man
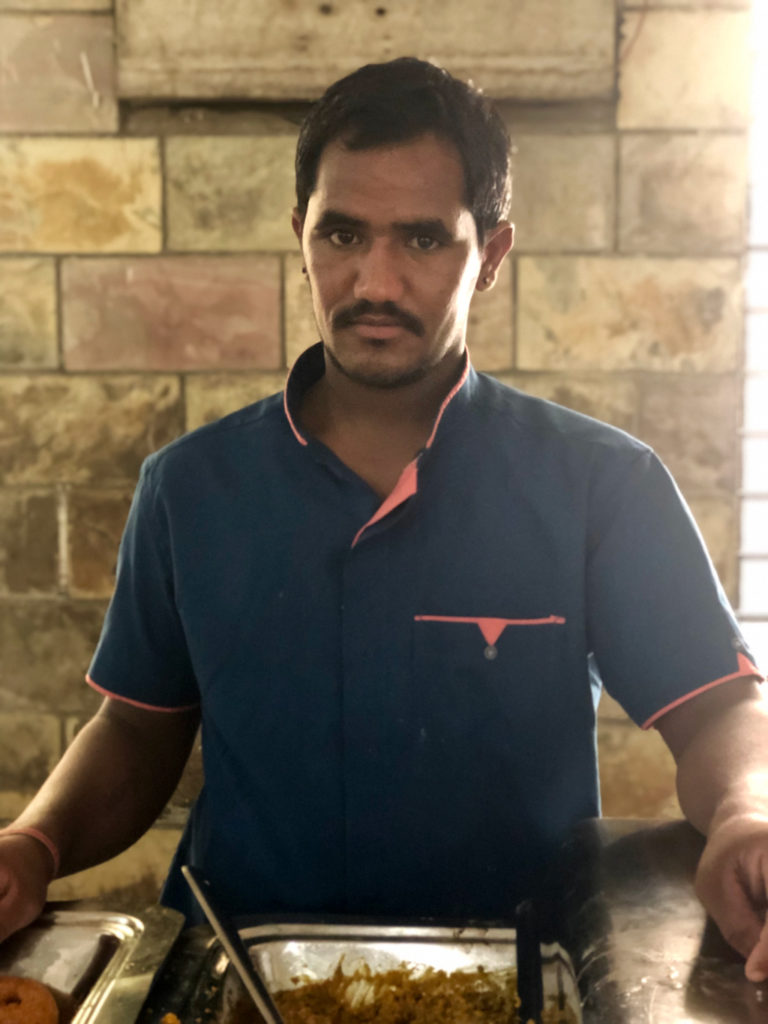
387 593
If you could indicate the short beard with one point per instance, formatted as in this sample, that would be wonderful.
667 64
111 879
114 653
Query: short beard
382 380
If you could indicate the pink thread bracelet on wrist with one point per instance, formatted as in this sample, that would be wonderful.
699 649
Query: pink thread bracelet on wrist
41 837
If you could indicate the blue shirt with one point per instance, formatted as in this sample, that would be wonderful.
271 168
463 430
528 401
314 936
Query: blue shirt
398 699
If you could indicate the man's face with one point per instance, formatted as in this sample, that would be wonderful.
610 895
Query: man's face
393 258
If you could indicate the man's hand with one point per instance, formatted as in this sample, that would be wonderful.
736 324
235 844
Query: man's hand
26 869
732 883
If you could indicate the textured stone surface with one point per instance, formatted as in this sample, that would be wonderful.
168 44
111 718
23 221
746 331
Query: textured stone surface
183 313
55 5
300 327
687 69
692 424
637 773
45 650
640 4
717 519
491 323
563 192
30 745
79 195
210 396
230 193
58 74
82 430
620 314
28 314
131 880
608 398
28 542
683 193
96 519
279 50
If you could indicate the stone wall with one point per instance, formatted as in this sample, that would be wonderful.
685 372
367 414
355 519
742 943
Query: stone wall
149 282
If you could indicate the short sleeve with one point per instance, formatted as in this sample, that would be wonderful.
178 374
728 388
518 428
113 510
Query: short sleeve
142 654
660 625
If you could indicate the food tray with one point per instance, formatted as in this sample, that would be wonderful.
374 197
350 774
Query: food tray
99 965
285 952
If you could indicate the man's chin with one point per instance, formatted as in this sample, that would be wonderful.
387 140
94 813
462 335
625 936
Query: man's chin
384 378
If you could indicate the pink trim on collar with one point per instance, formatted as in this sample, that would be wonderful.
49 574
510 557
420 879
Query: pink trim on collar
299 437
406 487
451 394
746 669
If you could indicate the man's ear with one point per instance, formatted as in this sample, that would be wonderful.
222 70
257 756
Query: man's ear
297 223
498 242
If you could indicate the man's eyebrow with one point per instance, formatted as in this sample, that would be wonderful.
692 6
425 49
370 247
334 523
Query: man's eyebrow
433 227
335 219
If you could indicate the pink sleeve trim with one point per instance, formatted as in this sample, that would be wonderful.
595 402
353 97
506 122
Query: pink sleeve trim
746 669
137 703
41 837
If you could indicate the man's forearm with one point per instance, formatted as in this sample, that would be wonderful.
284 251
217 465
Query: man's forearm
109 786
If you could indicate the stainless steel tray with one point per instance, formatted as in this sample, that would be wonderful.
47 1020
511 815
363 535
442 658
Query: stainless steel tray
285 953
99 965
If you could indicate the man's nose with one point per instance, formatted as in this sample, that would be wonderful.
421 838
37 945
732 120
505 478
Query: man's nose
379 273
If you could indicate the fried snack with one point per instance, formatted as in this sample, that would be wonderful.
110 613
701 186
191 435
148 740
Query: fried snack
24 1001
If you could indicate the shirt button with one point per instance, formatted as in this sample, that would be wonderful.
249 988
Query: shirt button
490 652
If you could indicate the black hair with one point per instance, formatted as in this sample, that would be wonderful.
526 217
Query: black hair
403 99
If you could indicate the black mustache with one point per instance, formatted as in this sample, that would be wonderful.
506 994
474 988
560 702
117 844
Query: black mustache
349 316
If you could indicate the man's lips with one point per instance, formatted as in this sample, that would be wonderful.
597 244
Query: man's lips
378 327
383 322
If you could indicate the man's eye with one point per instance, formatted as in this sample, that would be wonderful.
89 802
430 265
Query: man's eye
342 237
424 243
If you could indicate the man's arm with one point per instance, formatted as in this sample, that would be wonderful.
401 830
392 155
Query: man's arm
108 788
720 742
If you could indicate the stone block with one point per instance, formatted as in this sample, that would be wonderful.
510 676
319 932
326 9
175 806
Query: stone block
717 518
59 74
30 745
637 773
211 396
230 193
84 429
608 398
491 323
95 523
593 313
29 546
300 327
55 5
563 192
183 313
704 4
277 50
692 424
28 314
79 195
685 69
683 193
129 881
45 650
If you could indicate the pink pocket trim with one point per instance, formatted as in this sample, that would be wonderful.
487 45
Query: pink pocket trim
492 628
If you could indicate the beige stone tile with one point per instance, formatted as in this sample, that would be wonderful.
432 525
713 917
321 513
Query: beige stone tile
132 879
55 5
230 193
79 195
605 397
12 803
300 327
592 313
685 69
95 523
59 73
47 647
29 546
637 773
84 429
491 323
211 396
563 192
717 518
704 4
692 424
172 313
30 745
28 314
683 193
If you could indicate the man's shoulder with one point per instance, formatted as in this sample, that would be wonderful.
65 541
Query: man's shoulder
541 419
